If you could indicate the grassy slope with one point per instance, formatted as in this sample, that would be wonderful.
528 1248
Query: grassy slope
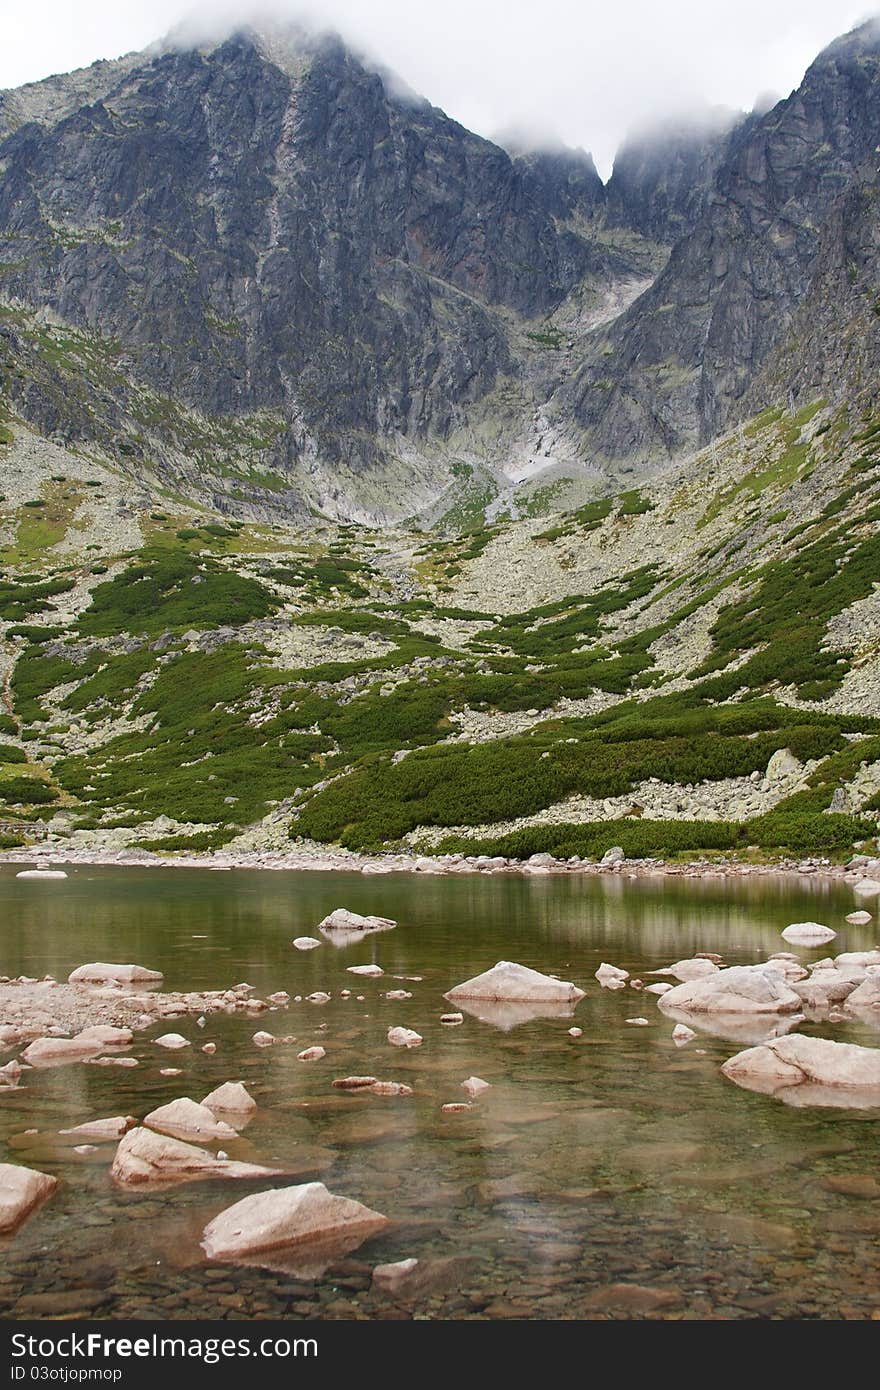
336 651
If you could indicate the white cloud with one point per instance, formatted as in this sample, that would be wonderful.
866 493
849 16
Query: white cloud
582 70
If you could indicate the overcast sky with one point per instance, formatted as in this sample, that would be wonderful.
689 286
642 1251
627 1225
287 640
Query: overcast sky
583 71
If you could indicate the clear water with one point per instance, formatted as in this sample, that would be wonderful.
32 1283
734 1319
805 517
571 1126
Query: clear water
614 1159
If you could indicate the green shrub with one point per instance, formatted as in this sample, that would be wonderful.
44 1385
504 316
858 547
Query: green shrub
26 791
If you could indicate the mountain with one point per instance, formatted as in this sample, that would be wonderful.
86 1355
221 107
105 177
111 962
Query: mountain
618 447
694 353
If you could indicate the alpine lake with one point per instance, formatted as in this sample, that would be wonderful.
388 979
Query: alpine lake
608 1175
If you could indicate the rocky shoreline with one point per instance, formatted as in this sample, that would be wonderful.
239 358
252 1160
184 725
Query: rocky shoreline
859 870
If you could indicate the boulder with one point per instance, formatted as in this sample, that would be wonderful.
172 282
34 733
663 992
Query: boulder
99 972
311 1054
353 1083
102 1131
341 920
865 998
867 887
389 1088
306 943
404 1037
681 1034
22 1190
107 1035
231 1098
370 970
808 934
173 1041
749 989
394 1278
813 1071
859 919
306 1226
145 1157
614 855
611 976
319 996
782 764
52 1052
695 968
186 1119
263 1039
41 873
508 982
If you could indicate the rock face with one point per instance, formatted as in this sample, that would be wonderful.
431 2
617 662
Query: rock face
809 1071
747 989
186 1119
22 1190
307 1221
511 983
145 1158
99 972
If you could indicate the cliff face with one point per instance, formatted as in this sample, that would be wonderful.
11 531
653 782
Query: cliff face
260 258
684 360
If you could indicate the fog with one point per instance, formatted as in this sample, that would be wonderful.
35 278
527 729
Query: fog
572 71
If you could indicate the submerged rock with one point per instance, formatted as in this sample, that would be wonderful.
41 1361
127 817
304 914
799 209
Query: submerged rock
808 934
172 1041
306 943
51 1052
809 1071
311 1054
374 971
695 968
22 1190
475 1086
102 1130
404 1037
100 972
307 1226
144 1157
859 919
508 982
681 1034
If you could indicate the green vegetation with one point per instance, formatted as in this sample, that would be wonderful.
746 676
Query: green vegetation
171 590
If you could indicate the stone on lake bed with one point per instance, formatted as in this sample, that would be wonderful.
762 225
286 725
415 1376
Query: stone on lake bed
22 1190
186 1119
370 970
404 1037
662 988
306 943
319 996
475 1086
232 1097
307 1221
263 1039
398 995
108 1035
681 1034
867 887
102 1130
859 919
392 1278
280 997
611 976
112 1061
575 1032
311 1054
144 1157
451 1020
354 1083
638 1022
803 1070
508 982
51 1052
41 873
100 972
456 1107
808 934
172 1041
389 1088
170 1071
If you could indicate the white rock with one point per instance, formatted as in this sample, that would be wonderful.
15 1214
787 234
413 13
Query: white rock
695 968
22 1190
450 1020
404 1037
749 989
108 1035
808 934
509 982
820 1066
341 920
475 1086
186 1119
306 943
306 1217
390 1278
681 1034
50 1052
144 1156
660 988
263 1039
611 976
311 1054
280 997
99 972
867 887
319 996
638 1022
41 873
231 1098
575 1032
172 1041
859 919
370 970
102 1130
